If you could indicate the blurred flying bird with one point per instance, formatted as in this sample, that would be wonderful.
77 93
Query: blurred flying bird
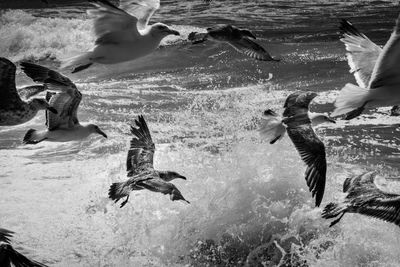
377 72
141 172
122 35
364 197
362 55
296 122
9 256
63 95
241 40
13 110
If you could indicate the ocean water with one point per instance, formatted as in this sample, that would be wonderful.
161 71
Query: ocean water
250 205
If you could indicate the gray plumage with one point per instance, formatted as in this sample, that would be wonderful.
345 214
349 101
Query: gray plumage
307 143
296 121
364 197
140 169
13 110
241 40
64 96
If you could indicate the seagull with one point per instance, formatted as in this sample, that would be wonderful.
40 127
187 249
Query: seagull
297 123
240 39
120 35
362 55
141 172
364 197
63 95
272 128
13 110
377 72
9 256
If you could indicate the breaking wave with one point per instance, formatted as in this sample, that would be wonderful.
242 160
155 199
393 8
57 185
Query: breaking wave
27 37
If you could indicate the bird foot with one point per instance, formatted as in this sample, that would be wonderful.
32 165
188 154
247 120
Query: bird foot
124 202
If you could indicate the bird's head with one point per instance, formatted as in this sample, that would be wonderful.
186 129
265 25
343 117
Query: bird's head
95 129
304 99
161 30
176 195
42 104
318 118
169 176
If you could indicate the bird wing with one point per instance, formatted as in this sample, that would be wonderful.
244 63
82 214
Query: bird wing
29 91
271 127
387 209
312 152
387 70
141 151
251 48
141 9
47 76
8 256
8 92
112 24
362 53
66 103
5 235
156 185
64 95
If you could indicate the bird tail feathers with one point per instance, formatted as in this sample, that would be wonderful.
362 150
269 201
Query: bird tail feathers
271 127
118 190
78 63
350 98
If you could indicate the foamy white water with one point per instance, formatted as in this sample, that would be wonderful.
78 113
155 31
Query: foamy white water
203 107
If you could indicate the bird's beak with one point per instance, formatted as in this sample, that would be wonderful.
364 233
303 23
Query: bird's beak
330 120
101 133
186 201
173 32
182 177
51 109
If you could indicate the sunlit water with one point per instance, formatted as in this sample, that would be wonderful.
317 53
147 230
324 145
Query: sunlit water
203 105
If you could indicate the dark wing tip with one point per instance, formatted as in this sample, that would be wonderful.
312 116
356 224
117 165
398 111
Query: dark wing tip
7 62
5 235
346 27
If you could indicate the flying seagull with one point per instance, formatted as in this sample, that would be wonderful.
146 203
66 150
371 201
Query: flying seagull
13 110
241 40
297 123
377 72
364 197
272 128
362 55
122 35
63 95
141 172
9 256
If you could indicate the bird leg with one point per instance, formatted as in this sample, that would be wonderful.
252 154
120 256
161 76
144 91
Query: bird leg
124 202
337 220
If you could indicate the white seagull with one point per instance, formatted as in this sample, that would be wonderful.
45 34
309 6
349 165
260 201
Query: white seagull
377 72
63 95
297 123
120 35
